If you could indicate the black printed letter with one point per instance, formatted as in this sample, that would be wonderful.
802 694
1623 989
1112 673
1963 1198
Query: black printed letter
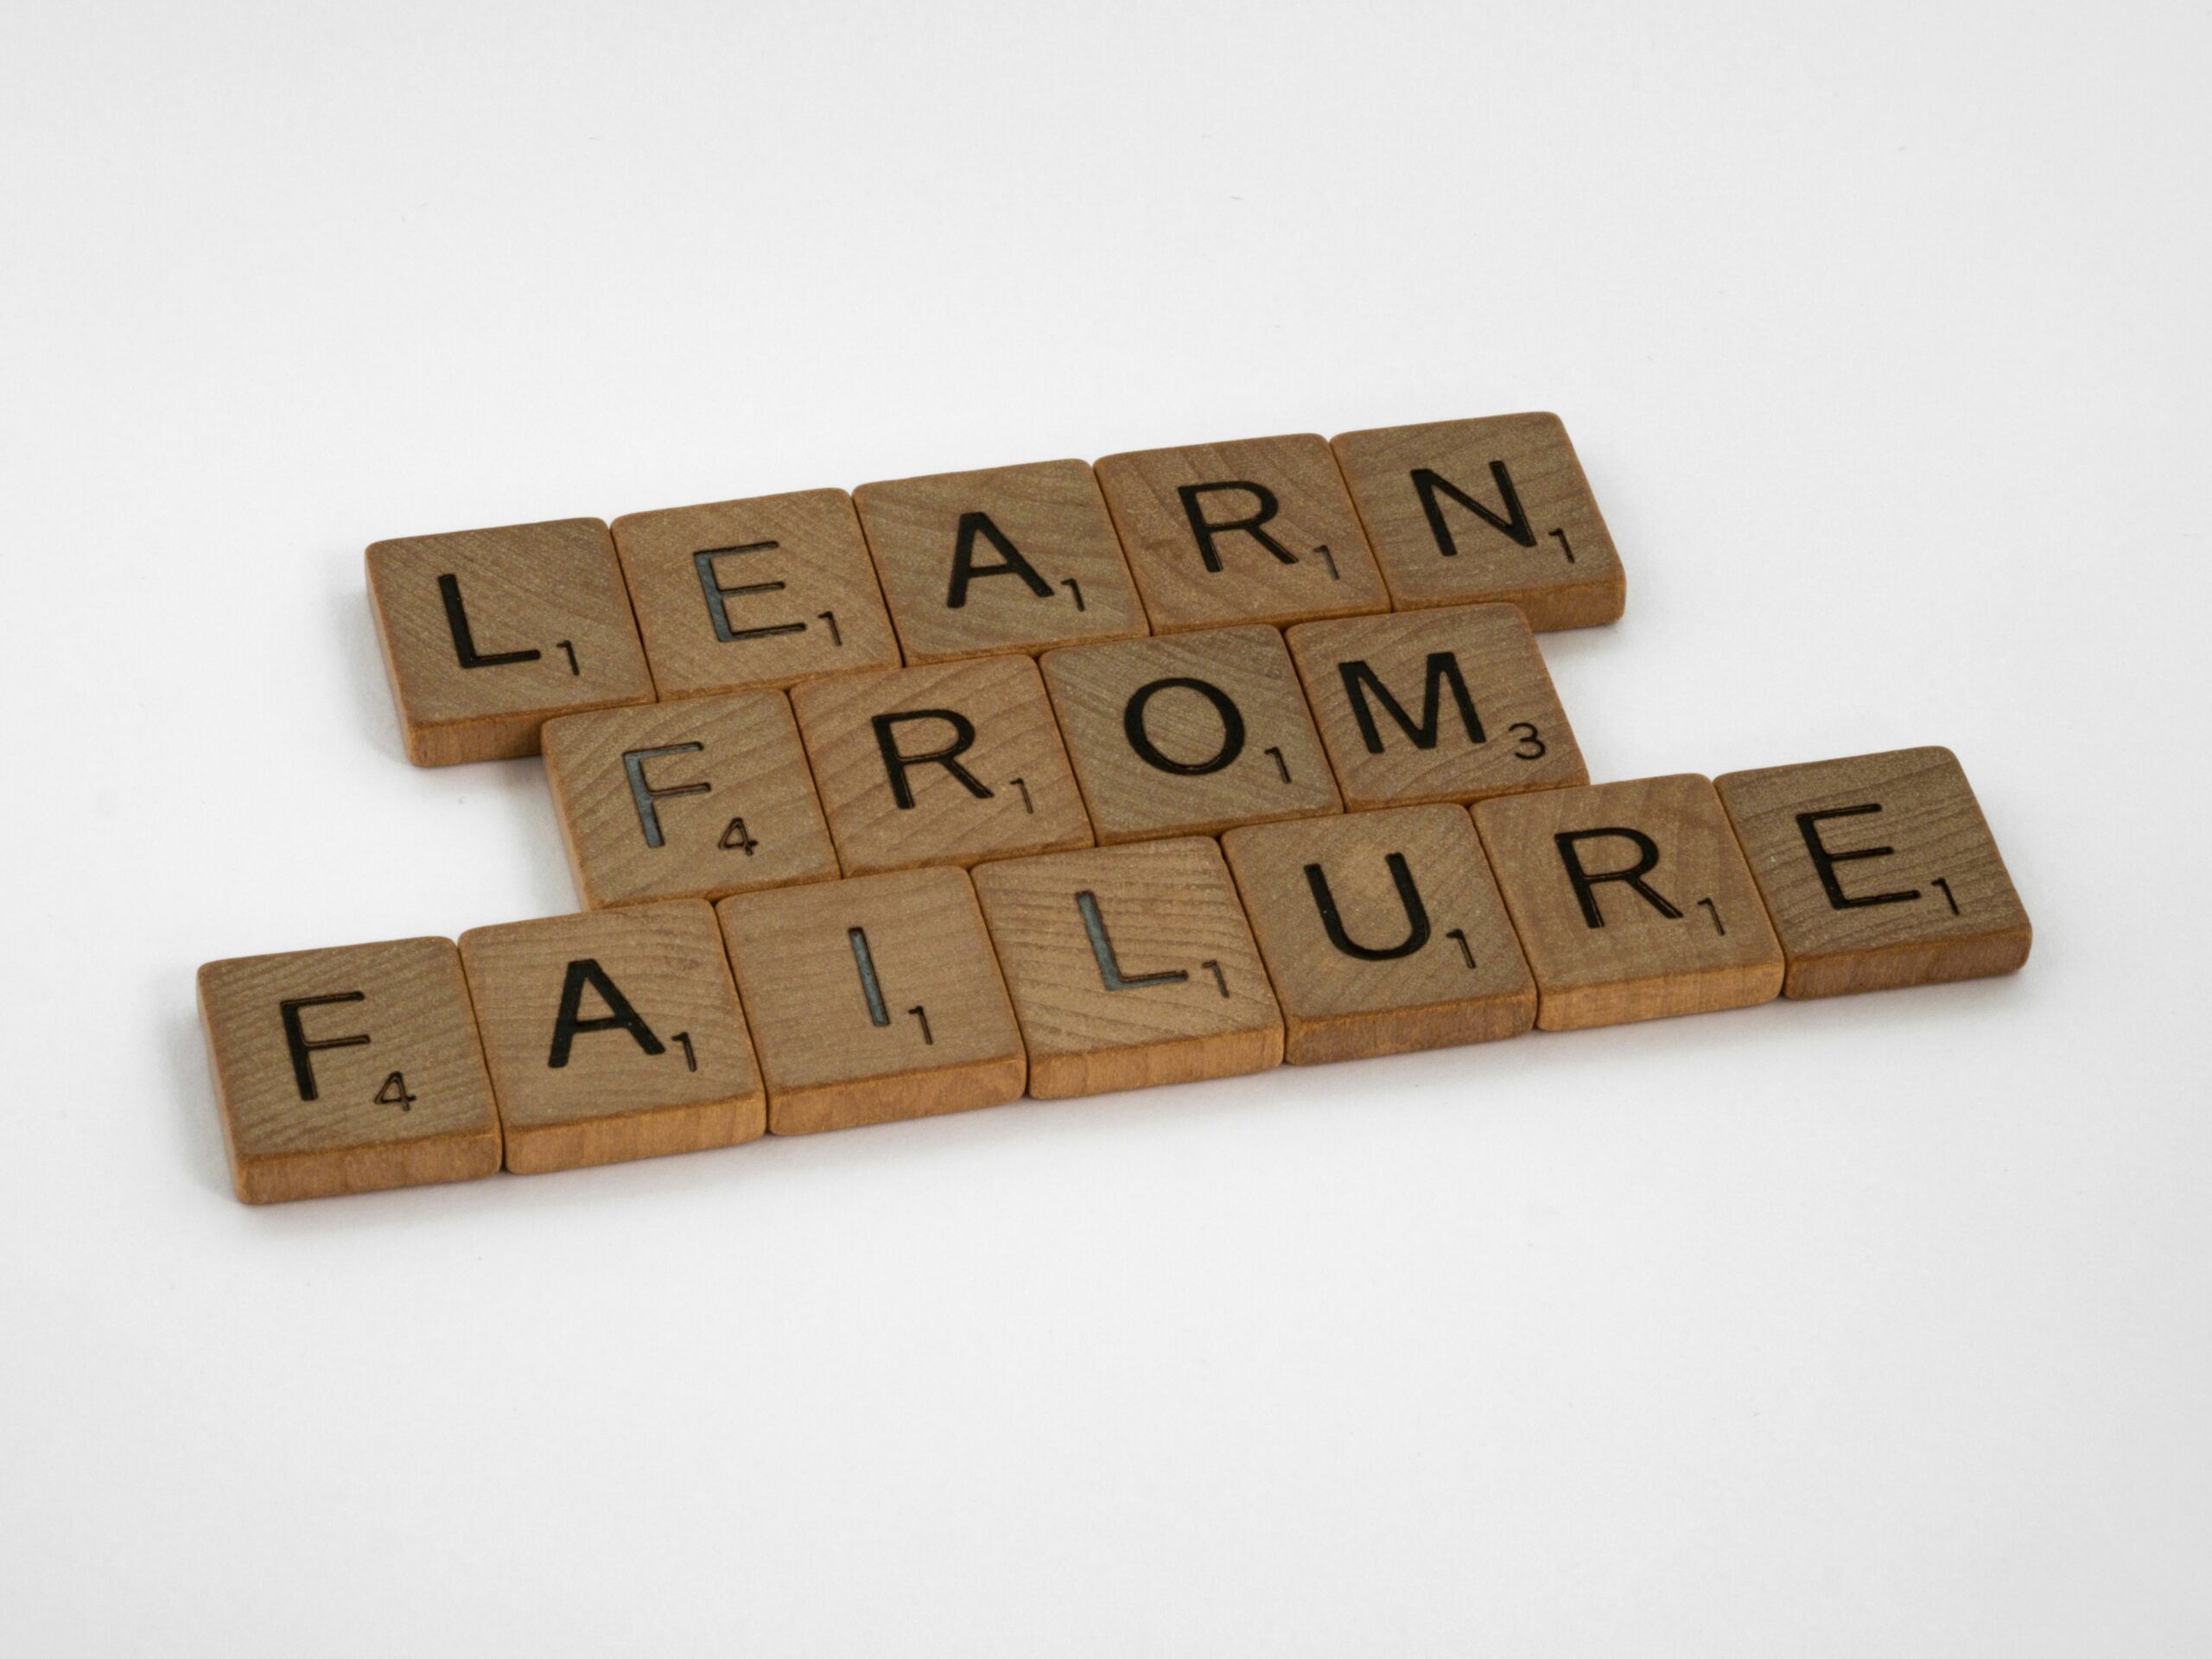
464 639
1205 530
568 1026
1408 895
1011 563
1232 727
1427 484
1825 860
1570 853
895 763
1443 668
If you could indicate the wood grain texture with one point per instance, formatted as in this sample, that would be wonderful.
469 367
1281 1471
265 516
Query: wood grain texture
873 1000
1004 559
309 1107
1188 733
1302 556
1665 921
1382 932
1002 787
1533 536
656 1057
1877 871
1387 695
489 634
727 802
1130 966
756 593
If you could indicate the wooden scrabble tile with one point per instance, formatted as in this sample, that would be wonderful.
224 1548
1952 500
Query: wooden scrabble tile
1008 558
766 591
1188 733
699 797
1632 901
1877 871
347 1070
1444 705
489 634
612 1035
1382 932
873 1000
941 764
1130 966
1496 510
1258 531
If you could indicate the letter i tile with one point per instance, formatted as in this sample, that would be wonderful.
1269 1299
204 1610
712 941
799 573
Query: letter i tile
872 1000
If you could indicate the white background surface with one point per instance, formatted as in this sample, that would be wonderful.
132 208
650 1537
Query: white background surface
1881 1326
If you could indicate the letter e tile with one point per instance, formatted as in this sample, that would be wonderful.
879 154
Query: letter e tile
1878 870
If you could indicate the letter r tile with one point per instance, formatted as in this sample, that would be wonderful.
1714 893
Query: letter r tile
489 634
1256 531
1878 870
1441 705
1005 559
697 797
946 764
762 592
1130 966
347 1070
1632 901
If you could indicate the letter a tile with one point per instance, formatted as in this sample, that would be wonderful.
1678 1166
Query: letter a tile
614 1035
1384 932
1878 870
1446 705
1008 558
873 1000
489 634
1188 735
942 765
764 592
1632 901
1258 531
1493 509
347 1069
698 797
1130 966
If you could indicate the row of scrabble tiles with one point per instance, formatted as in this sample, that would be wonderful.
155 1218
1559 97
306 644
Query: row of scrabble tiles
675 1025
994 757
488 634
